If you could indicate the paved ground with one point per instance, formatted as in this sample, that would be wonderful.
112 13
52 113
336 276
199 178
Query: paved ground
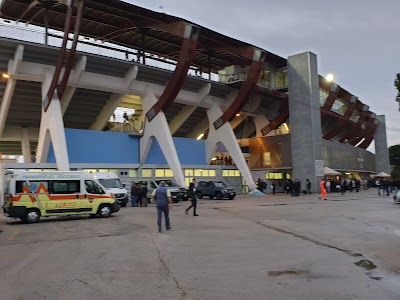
274 247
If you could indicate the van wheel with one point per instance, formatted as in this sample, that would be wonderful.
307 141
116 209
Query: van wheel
31 216
123 204
230 198
218 196
104 211
199 195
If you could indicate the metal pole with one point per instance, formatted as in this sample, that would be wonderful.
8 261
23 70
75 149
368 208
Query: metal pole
46 26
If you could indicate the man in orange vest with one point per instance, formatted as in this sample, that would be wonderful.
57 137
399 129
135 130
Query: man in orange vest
323 189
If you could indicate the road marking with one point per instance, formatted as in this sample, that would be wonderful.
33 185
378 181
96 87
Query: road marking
14 235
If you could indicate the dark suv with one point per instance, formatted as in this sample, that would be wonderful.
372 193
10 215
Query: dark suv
214 189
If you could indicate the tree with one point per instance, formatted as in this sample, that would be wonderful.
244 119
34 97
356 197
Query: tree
394 157
397 85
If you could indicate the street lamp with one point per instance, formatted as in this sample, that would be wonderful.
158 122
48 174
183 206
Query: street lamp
329 77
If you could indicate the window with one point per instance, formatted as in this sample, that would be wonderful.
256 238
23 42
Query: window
204 173
189 173
111 183
169 173
152 185
133 173
90 170
93 188
323 94
274 176
211 173
34 186
231 173
204 184
281 78
339 106
198 172
159 173
146 173
65 187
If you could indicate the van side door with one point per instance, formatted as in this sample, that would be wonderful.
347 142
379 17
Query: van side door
92 196
64 196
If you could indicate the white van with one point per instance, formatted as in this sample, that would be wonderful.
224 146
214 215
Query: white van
112 183
31 195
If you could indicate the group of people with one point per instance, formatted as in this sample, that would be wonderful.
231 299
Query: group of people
223 160
163 199
139 195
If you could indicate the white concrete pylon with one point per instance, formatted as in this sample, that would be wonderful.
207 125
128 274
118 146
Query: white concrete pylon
226 136
52 130
13 66
26 145
69 92
158 129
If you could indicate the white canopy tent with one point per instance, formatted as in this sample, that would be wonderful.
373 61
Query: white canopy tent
331 172
382 174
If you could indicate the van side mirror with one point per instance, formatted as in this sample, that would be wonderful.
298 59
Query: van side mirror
123 184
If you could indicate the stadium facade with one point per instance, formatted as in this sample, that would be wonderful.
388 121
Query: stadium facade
205 105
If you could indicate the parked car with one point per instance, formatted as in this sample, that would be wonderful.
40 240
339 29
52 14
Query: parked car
396 197
214 189
177 193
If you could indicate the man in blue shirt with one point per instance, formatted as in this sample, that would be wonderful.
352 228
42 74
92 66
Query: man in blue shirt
164 203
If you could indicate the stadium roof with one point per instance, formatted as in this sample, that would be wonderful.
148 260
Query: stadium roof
138 28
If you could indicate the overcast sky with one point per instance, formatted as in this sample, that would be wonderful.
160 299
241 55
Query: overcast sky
356 40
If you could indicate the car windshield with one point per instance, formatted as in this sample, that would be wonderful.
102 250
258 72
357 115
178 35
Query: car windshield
220 184
111 183
167 183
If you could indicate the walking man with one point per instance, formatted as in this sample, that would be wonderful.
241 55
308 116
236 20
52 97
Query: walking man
192 195
164 202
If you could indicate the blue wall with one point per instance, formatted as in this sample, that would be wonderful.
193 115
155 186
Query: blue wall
90 146
190 152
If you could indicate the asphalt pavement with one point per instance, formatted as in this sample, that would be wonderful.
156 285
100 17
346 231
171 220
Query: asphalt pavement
272 247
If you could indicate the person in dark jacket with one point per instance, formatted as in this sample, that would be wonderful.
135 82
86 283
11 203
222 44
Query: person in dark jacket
192 195
133 194
139 196
308 186
144 195
163 201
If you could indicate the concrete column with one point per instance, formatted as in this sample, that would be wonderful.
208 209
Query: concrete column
305 119
158 129
26 145
52 130
381 149
226 136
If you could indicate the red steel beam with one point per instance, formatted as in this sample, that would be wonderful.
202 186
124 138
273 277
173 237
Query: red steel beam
60 60
345 119
175 84
358 132
246 89
370 136
278 121
72 52
334 91
356 127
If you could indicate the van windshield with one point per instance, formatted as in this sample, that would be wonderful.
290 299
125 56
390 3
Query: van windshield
111 183
167 183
